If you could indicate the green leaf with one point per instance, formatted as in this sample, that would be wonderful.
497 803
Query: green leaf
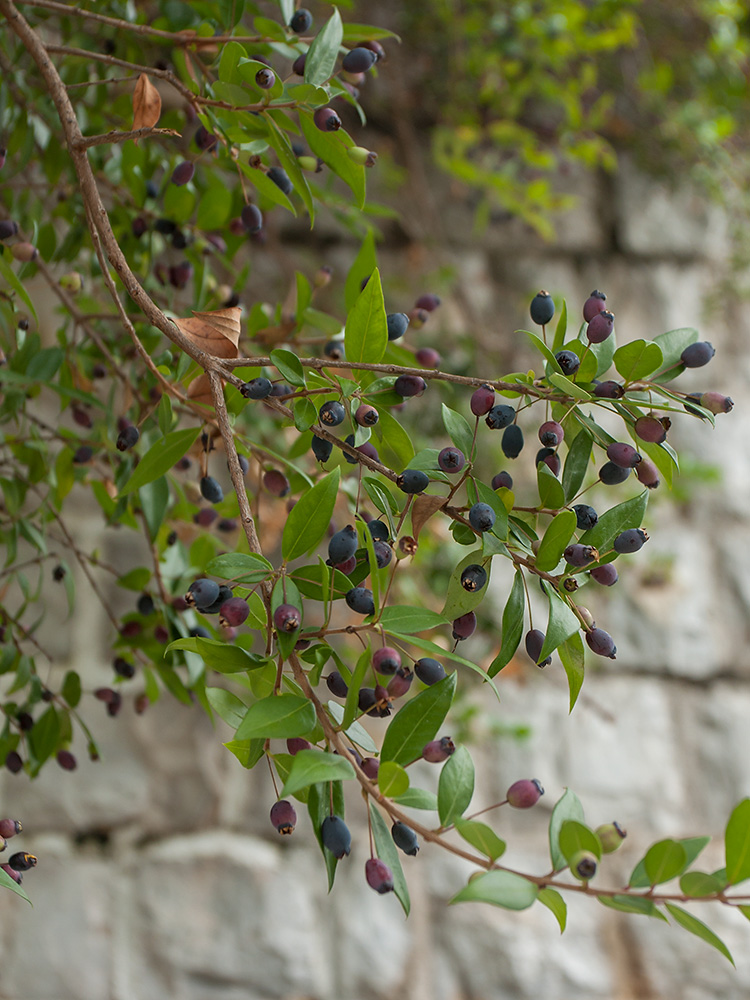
387 851
571 657
214 207
331 148
8 883
512 628
356 733
364 264
12 279
352 706
394 444
575 836
309 767
217 655
554 902
418 721
576 464
632 904
226 705
366 334
638 359
698 884
319 806
281 143
160 458
455 786
561 329
737 843
247 752
672 344
418 798
664 861
458 430
482 837
500 888
44 365
557 536
281 716
43 738
697 927
324 50
308 520
628 514
288 365
550 488
434 650
392 779
569 387
71 688
266 188
546 353
408 620
241 567
458 600
568 807
692 845
561 624
154 498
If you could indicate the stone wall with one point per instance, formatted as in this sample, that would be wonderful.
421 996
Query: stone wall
159 873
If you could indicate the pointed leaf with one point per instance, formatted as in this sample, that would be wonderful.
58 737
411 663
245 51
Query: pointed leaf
561 624
697 927
392 779
281 716
455 786
458 430
512 628
500 888
308 520
699 884
309 767
550 488
576 464
664 861
628 514
160 458
575 836
418 721
557 536
387 851
632 904
366 334
568 807
737 843
554 902
482 837
572 659
407 620
324 50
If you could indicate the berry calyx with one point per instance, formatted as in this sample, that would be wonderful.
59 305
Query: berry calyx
287 618
583 865
451 460
473 577
327 120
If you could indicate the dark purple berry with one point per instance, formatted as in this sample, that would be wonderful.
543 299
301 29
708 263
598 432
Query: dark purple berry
429 671
580 555
127 437
321 448
9 828
298 66
550 458
464 626
334 350
594 304
348 566
586 517
58 573
534 643
379 876
716 403
647 473
427 301
551 434
233 612
205 517
623 455
337 685
210 490
502 481
482 400
13 762
512 442
409 385
436 751
265 78
301 21
335 836
21 861
482 517
609 390
368 450
651 429
428 357
281 389
371 766
204 139
473 578
287 618
400 683
123 668
451 460
405 838
252 222
227 524
413 481
342 545
612 475
224 594
600 327
283 816
500 416
139 226
332 413
525 793
183 173
630 541
366 415
281 179
83 454
568 361
66 760
358 60
360 599
383 553
296 743
398 324
697 355
378 530
327 120
202 593
386 660
276 483
542 308
601 642
8 228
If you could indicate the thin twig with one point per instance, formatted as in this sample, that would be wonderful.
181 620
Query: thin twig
114 136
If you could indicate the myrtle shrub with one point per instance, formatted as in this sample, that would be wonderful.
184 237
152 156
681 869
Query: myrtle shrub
277 462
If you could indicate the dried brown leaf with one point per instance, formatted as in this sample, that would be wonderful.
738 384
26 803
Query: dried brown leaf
271 335
216 333
146 104
422 509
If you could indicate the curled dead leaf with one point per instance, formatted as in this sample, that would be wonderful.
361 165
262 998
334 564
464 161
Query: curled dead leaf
422 509
146 104
217 333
